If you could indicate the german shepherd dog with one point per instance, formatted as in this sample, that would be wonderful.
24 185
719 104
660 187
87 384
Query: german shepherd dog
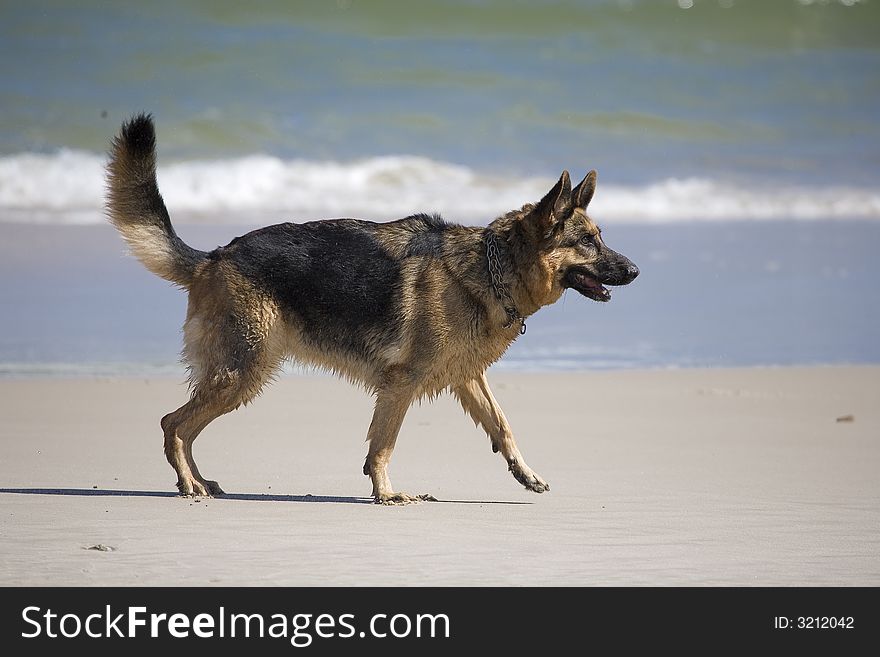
408 308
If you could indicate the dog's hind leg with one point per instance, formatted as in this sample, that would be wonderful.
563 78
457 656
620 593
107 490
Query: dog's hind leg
392 401
181 427
478 401
211 398
230 362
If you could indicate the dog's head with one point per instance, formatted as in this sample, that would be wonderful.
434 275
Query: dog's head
570 245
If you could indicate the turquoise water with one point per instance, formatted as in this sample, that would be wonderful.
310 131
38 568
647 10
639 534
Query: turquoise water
738 97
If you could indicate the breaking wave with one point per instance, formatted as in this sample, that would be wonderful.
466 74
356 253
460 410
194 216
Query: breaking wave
68 187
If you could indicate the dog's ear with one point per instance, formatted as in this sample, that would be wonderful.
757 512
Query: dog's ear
554 207
583 193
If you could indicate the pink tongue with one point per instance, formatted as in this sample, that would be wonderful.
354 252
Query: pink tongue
594 286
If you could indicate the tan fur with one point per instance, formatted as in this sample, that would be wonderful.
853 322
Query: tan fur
146 244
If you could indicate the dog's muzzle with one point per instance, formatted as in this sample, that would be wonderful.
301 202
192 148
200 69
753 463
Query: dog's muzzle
615 269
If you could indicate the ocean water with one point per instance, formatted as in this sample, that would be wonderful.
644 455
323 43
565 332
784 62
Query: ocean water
737 145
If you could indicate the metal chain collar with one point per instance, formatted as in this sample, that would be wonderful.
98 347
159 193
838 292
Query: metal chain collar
496 274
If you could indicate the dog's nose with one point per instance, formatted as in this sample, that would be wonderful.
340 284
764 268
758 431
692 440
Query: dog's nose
632 271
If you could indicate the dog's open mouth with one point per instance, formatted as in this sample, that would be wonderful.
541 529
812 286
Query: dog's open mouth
587 285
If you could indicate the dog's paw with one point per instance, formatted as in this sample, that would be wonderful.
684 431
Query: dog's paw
528 477
398 499
191 487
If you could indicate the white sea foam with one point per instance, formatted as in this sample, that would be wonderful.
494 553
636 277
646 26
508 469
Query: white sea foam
68 187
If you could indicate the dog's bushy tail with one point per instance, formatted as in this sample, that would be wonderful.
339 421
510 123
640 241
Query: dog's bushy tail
136 208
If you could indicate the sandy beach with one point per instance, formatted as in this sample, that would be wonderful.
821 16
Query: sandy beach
688 477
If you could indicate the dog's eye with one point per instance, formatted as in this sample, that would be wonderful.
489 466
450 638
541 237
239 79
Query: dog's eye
587 240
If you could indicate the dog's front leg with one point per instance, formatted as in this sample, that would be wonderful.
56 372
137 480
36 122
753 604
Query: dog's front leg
478 401
392 402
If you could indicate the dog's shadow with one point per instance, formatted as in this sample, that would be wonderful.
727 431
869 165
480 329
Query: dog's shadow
241 497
